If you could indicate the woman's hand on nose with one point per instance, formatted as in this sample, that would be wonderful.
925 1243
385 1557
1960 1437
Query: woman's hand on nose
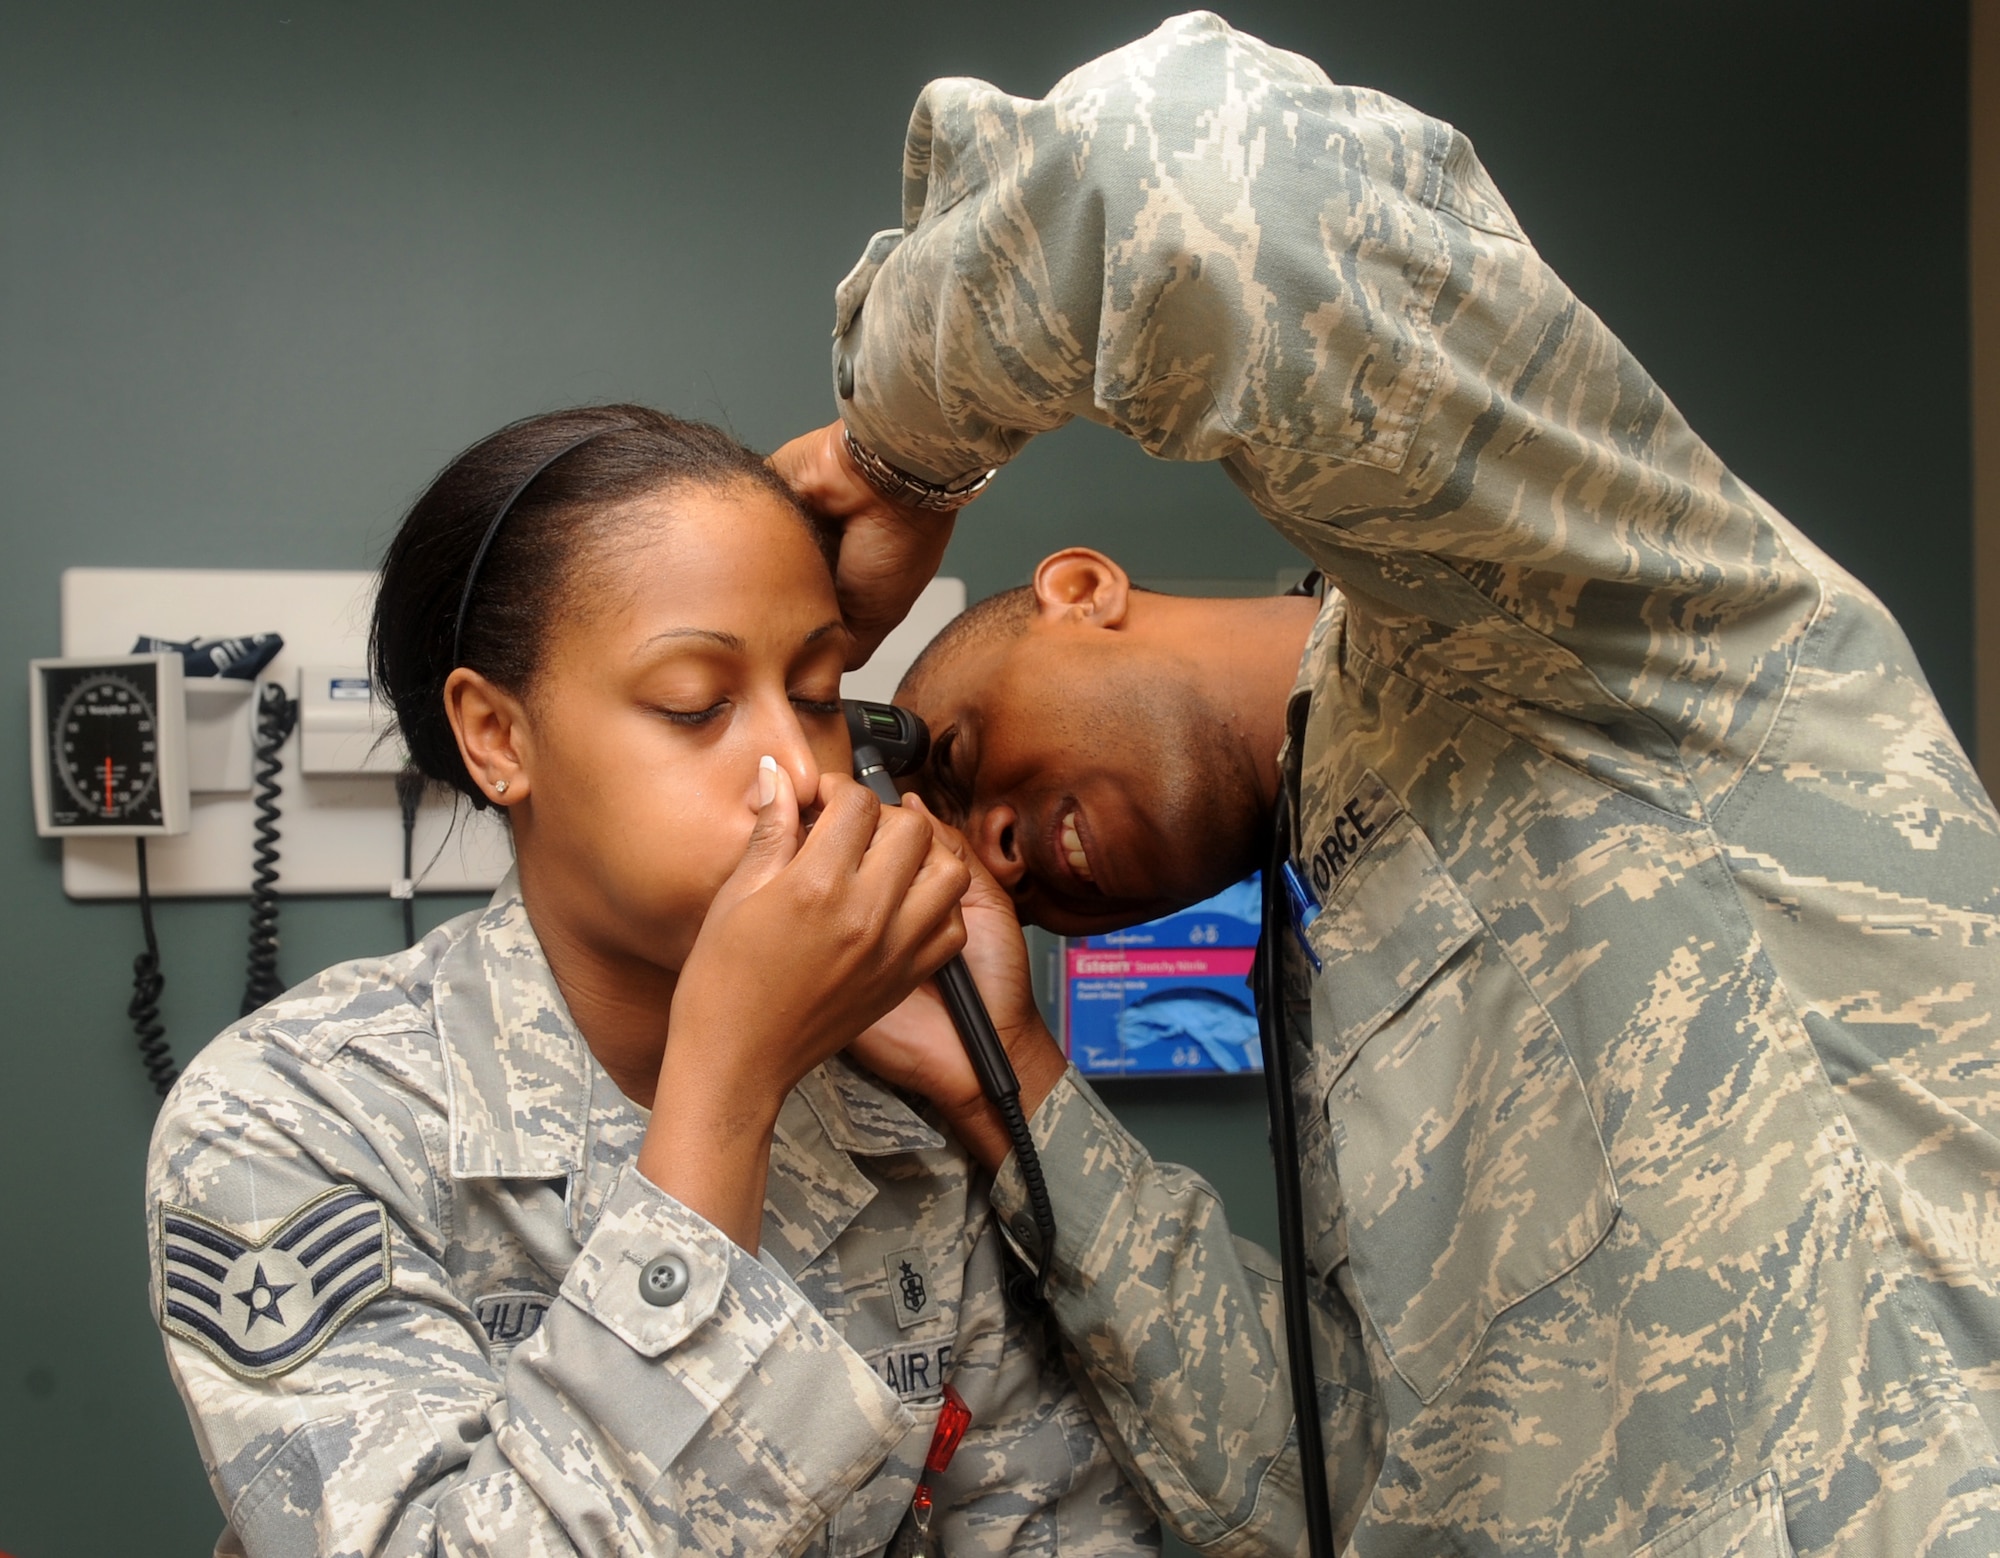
806 945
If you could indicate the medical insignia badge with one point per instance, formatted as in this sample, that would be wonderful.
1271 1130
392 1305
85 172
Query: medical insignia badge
262 1309
910 1292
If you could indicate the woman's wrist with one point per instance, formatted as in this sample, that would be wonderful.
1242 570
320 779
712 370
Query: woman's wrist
708 1144
726 1081
715 1171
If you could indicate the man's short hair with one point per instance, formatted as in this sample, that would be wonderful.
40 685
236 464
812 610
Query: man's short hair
1002 616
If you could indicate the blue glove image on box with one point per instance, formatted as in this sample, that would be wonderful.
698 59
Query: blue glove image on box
1223 1028
1159 1011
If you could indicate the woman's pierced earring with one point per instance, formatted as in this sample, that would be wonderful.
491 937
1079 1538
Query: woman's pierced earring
499 786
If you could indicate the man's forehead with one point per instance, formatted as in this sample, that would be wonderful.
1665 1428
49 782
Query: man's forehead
959 686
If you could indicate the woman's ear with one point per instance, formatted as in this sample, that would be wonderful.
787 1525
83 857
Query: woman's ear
1082 586
491 726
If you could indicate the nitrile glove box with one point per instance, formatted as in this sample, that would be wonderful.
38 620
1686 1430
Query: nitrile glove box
1232 918
1168 1011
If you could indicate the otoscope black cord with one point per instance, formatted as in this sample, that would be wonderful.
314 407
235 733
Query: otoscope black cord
276 714
967 1008
1270 988
147 983
990 1063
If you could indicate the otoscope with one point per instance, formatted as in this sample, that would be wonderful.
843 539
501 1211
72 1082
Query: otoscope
890 741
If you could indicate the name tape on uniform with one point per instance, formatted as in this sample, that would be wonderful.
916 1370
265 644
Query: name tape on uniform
1354 828
913 1373
509 1319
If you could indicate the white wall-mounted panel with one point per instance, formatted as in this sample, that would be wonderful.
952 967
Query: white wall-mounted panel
338 835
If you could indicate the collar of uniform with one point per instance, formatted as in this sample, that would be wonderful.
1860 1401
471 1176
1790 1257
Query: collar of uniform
861 1114
816 1188
517 1069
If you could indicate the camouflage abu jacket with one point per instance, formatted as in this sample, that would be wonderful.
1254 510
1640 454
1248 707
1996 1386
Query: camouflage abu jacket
418 1301
1649 1068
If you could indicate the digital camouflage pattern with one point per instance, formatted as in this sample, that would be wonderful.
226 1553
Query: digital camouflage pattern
512 1392
1649 1080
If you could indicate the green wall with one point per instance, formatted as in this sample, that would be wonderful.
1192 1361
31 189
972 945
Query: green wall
264 267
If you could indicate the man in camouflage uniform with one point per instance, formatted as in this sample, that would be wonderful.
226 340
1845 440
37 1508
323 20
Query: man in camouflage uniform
1648 1087
417 1298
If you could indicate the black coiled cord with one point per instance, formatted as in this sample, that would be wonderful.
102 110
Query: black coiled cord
1269 983
275 715
1030 1290
147 983
410 786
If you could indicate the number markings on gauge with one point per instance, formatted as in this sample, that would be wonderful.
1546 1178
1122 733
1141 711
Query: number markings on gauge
106 759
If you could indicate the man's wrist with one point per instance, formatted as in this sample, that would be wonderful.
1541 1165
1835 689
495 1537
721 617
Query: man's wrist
911 493
1039 1064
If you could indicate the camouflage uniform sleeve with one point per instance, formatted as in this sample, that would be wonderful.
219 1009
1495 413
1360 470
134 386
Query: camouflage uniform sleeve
1131 249
731 1421
1175 1329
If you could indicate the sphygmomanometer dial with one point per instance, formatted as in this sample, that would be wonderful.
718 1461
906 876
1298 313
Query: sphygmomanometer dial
104 747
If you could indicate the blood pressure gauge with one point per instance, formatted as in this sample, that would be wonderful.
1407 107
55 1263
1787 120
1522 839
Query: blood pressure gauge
109 738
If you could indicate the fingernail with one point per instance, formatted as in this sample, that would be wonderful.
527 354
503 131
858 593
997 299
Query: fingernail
767 781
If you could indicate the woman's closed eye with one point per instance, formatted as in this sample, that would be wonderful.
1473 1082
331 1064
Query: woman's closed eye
692 716
819 708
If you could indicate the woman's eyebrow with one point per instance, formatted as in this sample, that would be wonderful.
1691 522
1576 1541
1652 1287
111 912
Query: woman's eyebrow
712 635
729 641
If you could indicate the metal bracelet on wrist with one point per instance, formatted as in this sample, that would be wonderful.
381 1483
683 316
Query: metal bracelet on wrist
905 490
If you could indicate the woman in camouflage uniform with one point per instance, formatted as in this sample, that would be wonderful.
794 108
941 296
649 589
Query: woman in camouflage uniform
568 1229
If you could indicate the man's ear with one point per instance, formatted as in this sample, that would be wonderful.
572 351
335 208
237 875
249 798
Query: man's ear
1081 586
492 730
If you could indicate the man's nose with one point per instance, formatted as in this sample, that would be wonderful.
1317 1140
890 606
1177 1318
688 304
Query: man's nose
996 833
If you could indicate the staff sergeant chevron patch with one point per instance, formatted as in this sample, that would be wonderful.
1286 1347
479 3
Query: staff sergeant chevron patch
261 1309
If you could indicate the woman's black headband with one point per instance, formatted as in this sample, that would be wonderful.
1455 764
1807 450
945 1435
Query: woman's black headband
499 517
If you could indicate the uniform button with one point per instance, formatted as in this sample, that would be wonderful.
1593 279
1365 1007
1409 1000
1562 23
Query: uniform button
843 377
664 1281
1024 1229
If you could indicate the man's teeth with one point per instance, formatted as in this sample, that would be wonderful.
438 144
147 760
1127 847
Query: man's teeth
1072 843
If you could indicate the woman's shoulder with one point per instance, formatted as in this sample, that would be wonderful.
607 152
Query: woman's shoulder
360 1032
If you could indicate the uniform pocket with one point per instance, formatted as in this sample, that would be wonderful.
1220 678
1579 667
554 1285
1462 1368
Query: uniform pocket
1749 1523
1469 1165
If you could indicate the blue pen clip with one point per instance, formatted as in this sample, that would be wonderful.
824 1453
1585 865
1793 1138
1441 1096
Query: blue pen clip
1304 905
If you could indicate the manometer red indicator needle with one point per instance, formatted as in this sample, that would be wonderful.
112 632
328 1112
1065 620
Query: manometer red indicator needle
107 784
